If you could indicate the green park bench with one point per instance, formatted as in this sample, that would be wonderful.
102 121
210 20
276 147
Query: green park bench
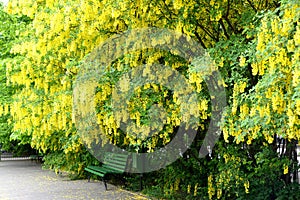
113 163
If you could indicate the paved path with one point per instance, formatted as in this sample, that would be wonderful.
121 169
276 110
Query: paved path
22 180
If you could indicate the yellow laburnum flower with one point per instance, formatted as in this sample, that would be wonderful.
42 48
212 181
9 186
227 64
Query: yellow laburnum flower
234 107
285 169
242 61
195 189
211 189
249 141
226 157
246 185
178 4
244 111
270 139
176 184
297 35
225 134
219 193
290 46
221 63
219 16
189 189
297 107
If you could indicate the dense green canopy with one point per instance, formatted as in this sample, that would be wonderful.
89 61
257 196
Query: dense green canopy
254 45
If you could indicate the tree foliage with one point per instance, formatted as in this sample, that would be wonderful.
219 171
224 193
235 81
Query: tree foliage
11 28
254 45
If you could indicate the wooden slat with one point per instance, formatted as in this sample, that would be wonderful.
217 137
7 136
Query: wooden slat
116 162
95 172
115 168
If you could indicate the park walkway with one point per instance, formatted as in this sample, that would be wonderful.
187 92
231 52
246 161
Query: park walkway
24 179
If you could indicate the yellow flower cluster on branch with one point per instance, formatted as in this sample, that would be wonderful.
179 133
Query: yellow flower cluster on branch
272 106
230 175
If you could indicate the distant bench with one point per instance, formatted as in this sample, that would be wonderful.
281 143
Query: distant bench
113 163
37 158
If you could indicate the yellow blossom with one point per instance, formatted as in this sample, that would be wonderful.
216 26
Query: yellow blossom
285 169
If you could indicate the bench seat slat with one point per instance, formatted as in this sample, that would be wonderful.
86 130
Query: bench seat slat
122 165
115 168
95 172
96 168
116 162
103 169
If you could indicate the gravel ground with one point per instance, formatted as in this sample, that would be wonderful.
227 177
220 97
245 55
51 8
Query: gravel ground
24 179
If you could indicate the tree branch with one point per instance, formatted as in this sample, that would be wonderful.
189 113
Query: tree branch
224 28
200 40
252 6
228 22
206 31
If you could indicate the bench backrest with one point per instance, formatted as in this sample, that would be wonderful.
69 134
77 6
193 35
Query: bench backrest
116 161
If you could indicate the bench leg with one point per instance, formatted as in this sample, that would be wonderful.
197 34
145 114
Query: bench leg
141 182
89 178
105 184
